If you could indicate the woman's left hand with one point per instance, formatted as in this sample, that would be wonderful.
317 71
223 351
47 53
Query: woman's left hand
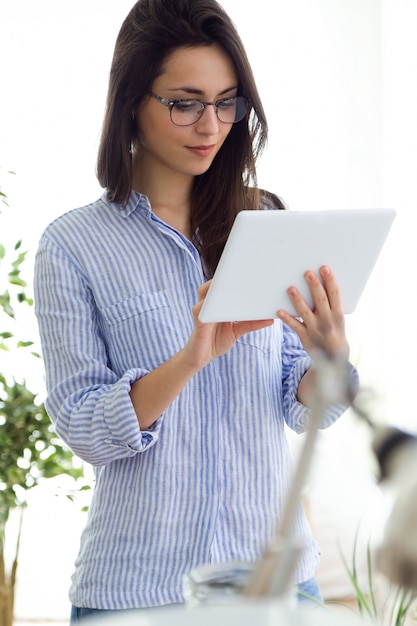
321 328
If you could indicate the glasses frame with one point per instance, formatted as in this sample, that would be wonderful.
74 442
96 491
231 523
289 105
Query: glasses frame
171 103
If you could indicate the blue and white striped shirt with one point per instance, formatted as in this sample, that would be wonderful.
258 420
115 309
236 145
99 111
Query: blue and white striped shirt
114 289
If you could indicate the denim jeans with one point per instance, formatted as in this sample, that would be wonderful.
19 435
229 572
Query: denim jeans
310 588
87 616
312 593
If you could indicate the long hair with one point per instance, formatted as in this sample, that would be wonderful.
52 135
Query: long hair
150 32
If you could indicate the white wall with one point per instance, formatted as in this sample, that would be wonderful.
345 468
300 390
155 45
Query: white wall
338 81
399 177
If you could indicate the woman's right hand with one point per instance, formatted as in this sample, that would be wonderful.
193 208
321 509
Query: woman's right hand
212 339
152 394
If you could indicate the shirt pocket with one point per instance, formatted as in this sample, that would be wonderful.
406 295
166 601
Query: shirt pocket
140 331
266 340
126 309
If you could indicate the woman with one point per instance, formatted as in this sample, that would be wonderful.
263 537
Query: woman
182 421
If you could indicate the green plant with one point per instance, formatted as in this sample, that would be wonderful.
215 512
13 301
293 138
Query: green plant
394 609
3 197
8 301
30 451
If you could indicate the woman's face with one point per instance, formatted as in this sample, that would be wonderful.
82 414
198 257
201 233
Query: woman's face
205 73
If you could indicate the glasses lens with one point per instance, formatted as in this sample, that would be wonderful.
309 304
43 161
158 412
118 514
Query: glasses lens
186 112
231 110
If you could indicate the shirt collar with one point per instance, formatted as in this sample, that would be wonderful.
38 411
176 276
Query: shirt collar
136 201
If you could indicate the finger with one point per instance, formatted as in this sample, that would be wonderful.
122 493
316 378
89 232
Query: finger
201 294
203 290
241 328
332 288
300 305
318 292
292 322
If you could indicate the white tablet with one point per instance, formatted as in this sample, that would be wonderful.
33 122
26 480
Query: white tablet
269 251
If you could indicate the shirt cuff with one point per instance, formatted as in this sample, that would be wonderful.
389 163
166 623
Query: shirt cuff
121 419
299 414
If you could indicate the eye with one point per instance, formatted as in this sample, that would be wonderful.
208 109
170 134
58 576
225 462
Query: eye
226 103
186 106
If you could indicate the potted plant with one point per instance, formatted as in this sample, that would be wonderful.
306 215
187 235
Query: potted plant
30 451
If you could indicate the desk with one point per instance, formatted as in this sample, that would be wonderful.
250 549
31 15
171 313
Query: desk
245 614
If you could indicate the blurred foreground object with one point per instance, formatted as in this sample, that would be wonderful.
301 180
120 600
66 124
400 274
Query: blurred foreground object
396 452
246 613
273 576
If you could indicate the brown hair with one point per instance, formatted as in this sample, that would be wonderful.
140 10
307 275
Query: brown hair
150 32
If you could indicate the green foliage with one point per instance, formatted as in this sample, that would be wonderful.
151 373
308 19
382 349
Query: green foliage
29 448
30 451
12 293
3 197
393 610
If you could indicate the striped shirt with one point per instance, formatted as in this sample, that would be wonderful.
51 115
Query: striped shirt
114 288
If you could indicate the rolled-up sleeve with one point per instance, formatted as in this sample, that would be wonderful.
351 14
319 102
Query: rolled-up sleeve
295 363
89 403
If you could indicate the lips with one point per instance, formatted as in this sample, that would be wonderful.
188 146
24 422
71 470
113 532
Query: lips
203 151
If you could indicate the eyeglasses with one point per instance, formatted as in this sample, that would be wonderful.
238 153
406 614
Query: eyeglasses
188 111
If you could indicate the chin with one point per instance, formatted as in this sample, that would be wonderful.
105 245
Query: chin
202 168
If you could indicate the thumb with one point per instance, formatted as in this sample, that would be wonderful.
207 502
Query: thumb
203 290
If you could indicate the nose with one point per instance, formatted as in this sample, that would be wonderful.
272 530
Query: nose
208 124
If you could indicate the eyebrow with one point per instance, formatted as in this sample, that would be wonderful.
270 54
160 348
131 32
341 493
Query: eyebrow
199 92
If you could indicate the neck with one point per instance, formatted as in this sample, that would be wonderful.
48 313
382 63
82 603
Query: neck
168 193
